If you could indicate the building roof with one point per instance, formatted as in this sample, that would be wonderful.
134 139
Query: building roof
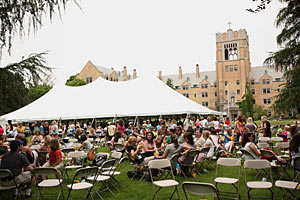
210 76
257 72
107 71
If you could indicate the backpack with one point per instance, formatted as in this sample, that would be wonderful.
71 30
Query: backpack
99 160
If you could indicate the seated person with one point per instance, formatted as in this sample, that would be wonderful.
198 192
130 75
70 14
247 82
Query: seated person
37 138
248 144
229 144
134 150
19 166
118 139
31 154
149 146
55 156
295 147
199 140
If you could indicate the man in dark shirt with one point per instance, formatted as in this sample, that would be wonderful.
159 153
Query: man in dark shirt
15 162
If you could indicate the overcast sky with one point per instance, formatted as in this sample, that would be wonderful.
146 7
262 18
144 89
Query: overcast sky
146 35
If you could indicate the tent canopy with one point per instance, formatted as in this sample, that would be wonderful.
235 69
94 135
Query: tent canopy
147 96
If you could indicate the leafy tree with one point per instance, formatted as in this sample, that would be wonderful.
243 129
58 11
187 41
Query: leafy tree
287 58
170 83
16 14
36 92
258 112
16 78
261 5
247 102
74 81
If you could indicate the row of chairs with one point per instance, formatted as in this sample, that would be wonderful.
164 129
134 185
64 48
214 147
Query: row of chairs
207 188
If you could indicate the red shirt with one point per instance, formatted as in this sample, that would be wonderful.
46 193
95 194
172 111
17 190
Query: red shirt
53 155
1 131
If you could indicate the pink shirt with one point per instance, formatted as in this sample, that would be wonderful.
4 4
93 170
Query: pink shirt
121 128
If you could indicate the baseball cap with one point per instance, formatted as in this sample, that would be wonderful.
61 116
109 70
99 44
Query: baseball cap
14 144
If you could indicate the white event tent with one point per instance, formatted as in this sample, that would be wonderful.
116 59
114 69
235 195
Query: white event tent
147 96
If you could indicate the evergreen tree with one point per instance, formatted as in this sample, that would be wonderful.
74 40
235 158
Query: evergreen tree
287 58
247 102
170 83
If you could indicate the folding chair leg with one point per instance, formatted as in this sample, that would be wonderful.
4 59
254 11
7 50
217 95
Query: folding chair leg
174 193
69 194
155 193
98 194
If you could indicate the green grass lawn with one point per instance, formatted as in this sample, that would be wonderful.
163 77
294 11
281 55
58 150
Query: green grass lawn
143 190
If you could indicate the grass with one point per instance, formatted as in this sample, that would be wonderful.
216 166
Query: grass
143 190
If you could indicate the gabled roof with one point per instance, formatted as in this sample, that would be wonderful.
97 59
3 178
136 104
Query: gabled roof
210 76
257 72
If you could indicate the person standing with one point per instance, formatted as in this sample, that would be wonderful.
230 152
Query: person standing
187 123
266 127
111 131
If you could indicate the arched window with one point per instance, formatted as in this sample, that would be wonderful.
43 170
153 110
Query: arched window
226 54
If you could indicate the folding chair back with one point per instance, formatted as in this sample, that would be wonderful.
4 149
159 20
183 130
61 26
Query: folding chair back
5 173
190 158
199 189
283 145
45 171
68 150
174 159
118 147
247 155
263 145
263 139
108 164
76 154
76 145
204 150
73 140
229 162
116 155
257 164
159 164
276 139
269 154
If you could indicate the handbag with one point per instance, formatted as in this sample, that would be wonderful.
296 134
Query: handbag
91 154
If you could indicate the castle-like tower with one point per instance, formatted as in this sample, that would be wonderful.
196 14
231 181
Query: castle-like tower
232 66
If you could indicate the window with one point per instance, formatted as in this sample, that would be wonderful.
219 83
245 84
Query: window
252 82
204 103
204 94
277 79
185 87
231 68
238 82
235 67
266 81
252 91
89 79
177 87
106 78
226 68
253 101
111 79
215 84
186 95
266 91
216 94
204 85
226 92
226 83
278 89
267 101
238 92
195 95
195 86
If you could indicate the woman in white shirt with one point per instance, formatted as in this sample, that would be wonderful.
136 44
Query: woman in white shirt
208 143
247 144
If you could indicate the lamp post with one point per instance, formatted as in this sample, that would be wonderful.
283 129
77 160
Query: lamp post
228 101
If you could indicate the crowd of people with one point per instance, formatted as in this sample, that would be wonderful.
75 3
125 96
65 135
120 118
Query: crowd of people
150 140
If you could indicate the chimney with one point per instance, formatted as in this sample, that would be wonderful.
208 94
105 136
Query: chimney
125 73
180 72
134 73
112 69
197 71
160 75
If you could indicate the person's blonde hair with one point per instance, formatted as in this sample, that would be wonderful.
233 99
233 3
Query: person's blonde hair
131 139
250 120
47 140
286 128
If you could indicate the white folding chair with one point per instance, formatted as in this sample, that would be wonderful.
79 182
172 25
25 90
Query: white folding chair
84 172
115 171
74 155
262 145
115 155
105 180
48 183
162 164
233 163
264 139
73 140
283 149
199 189
251 185
189 162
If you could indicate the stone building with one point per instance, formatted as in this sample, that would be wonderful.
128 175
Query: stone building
223 88
91 72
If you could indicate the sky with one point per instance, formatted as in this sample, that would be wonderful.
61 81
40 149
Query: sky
150 36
